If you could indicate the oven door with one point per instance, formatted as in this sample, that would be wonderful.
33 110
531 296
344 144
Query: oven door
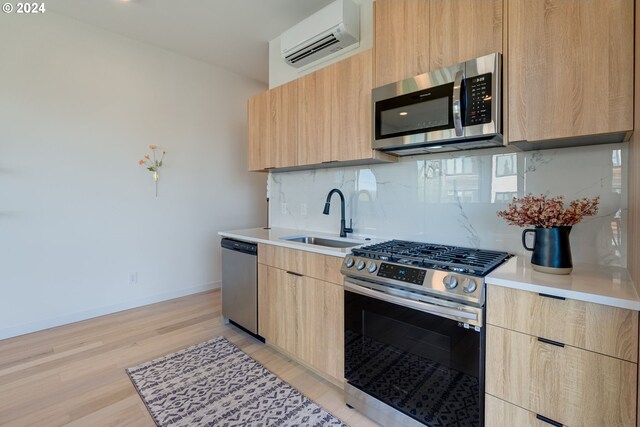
416 357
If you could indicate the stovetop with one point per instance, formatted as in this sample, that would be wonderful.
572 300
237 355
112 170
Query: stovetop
449 272
477 262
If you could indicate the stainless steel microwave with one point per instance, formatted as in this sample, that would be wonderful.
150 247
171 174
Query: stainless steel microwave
453 108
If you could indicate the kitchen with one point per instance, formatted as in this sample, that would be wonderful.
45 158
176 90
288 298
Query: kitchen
563 140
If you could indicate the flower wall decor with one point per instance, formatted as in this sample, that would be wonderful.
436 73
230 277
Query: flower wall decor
153 164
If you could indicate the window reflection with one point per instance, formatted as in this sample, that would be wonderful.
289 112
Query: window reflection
504 178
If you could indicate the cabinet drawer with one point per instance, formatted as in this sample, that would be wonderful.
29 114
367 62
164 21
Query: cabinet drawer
501 413
569 385
595 327
309 264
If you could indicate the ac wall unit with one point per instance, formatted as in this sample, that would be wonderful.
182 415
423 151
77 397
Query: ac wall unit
327 31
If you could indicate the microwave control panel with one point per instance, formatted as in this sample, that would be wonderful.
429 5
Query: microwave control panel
478 108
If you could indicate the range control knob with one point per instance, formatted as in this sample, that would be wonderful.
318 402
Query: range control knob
360 265
469 285
349 261
450 281
372 267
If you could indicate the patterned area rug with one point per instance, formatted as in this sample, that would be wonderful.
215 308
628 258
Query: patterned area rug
217 384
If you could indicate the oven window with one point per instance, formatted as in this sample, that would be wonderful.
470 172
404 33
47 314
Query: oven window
423 365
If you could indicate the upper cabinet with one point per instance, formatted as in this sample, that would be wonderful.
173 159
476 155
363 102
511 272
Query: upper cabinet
320 119
283 127
401 39
570 69
416 36
567 77
460 30
314 125
351 109
259 140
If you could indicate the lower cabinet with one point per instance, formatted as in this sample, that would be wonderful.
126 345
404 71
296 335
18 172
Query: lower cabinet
556 361
304 317
501 413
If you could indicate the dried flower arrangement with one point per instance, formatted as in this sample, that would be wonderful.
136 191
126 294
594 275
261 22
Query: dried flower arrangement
547 212
152 165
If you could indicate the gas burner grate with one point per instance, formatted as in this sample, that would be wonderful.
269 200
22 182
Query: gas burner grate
452 258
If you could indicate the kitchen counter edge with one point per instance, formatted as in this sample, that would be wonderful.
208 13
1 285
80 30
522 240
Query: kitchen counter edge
273 236
611 286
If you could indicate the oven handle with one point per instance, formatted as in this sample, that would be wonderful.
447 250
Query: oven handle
425 307
456 102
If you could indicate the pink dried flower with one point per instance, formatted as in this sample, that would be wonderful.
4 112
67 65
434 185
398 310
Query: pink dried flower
548 212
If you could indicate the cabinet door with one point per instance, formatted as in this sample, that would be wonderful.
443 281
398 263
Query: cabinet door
570 68
259 132
351 108
321 326
501 413
284 125
277 295
572 386
608 330
401 39
460 30
314 122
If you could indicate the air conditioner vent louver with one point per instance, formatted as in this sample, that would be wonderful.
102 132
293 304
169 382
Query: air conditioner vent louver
326 31
310 50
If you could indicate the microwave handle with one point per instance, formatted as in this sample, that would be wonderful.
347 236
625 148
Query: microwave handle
456 102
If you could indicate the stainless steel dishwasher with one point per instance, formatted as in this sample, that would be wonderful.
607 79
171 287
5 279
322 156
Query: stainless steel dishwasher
240 284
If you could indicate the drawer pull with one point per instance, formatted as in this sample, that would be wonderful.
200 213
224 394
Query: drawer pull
293 273
552 296
548 420
546 341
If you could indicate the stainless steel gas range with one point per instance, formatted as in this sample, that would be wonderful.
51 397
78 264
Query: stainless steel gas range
414 332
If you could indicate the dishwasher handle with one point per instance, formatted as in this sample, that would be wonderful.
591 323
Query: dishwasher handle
239 246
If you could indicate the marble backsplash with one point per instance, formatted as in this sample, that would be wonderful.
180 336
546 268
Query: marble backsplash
452 198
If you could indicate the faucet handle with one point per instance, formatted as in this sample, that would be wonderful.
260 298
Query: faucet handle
350 228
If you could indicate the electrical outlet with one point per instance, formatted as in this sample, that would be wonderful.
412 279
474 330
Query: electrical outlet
133 278
303 209
283 208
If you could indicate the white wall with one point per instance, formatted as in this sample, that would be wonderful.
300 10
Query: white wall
280 72
78 108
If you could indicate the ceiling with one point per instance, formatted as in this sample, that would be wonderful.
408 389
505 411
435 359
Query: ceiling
232 34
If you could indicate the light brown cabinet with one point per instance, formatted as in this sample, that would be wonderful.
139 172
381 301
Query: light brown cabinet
272 128
314 126
401 39
594 327
258 155
460 30
283 128
351 110
501 413
277 296
570 69
551 357
300 307
416 36
321 118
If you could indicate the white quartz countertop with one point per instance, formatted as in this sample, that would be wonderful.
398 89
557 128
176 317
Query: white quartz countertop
592 283
274 236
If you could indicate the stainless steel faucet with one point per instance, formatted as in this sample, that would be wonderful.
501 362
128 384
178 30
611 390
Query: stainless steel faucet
343 223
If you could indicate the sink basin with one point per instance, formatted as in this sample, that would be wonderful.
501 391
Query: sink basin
320 241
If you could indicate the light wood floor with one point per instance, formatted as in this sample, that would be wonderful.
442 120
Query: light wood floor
74 375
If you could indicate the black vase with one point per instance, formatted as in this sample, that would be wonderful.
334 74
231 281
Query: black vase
551 249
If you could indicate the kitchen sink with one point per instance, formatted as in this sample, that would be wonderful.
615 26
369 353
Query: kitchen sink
320 241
